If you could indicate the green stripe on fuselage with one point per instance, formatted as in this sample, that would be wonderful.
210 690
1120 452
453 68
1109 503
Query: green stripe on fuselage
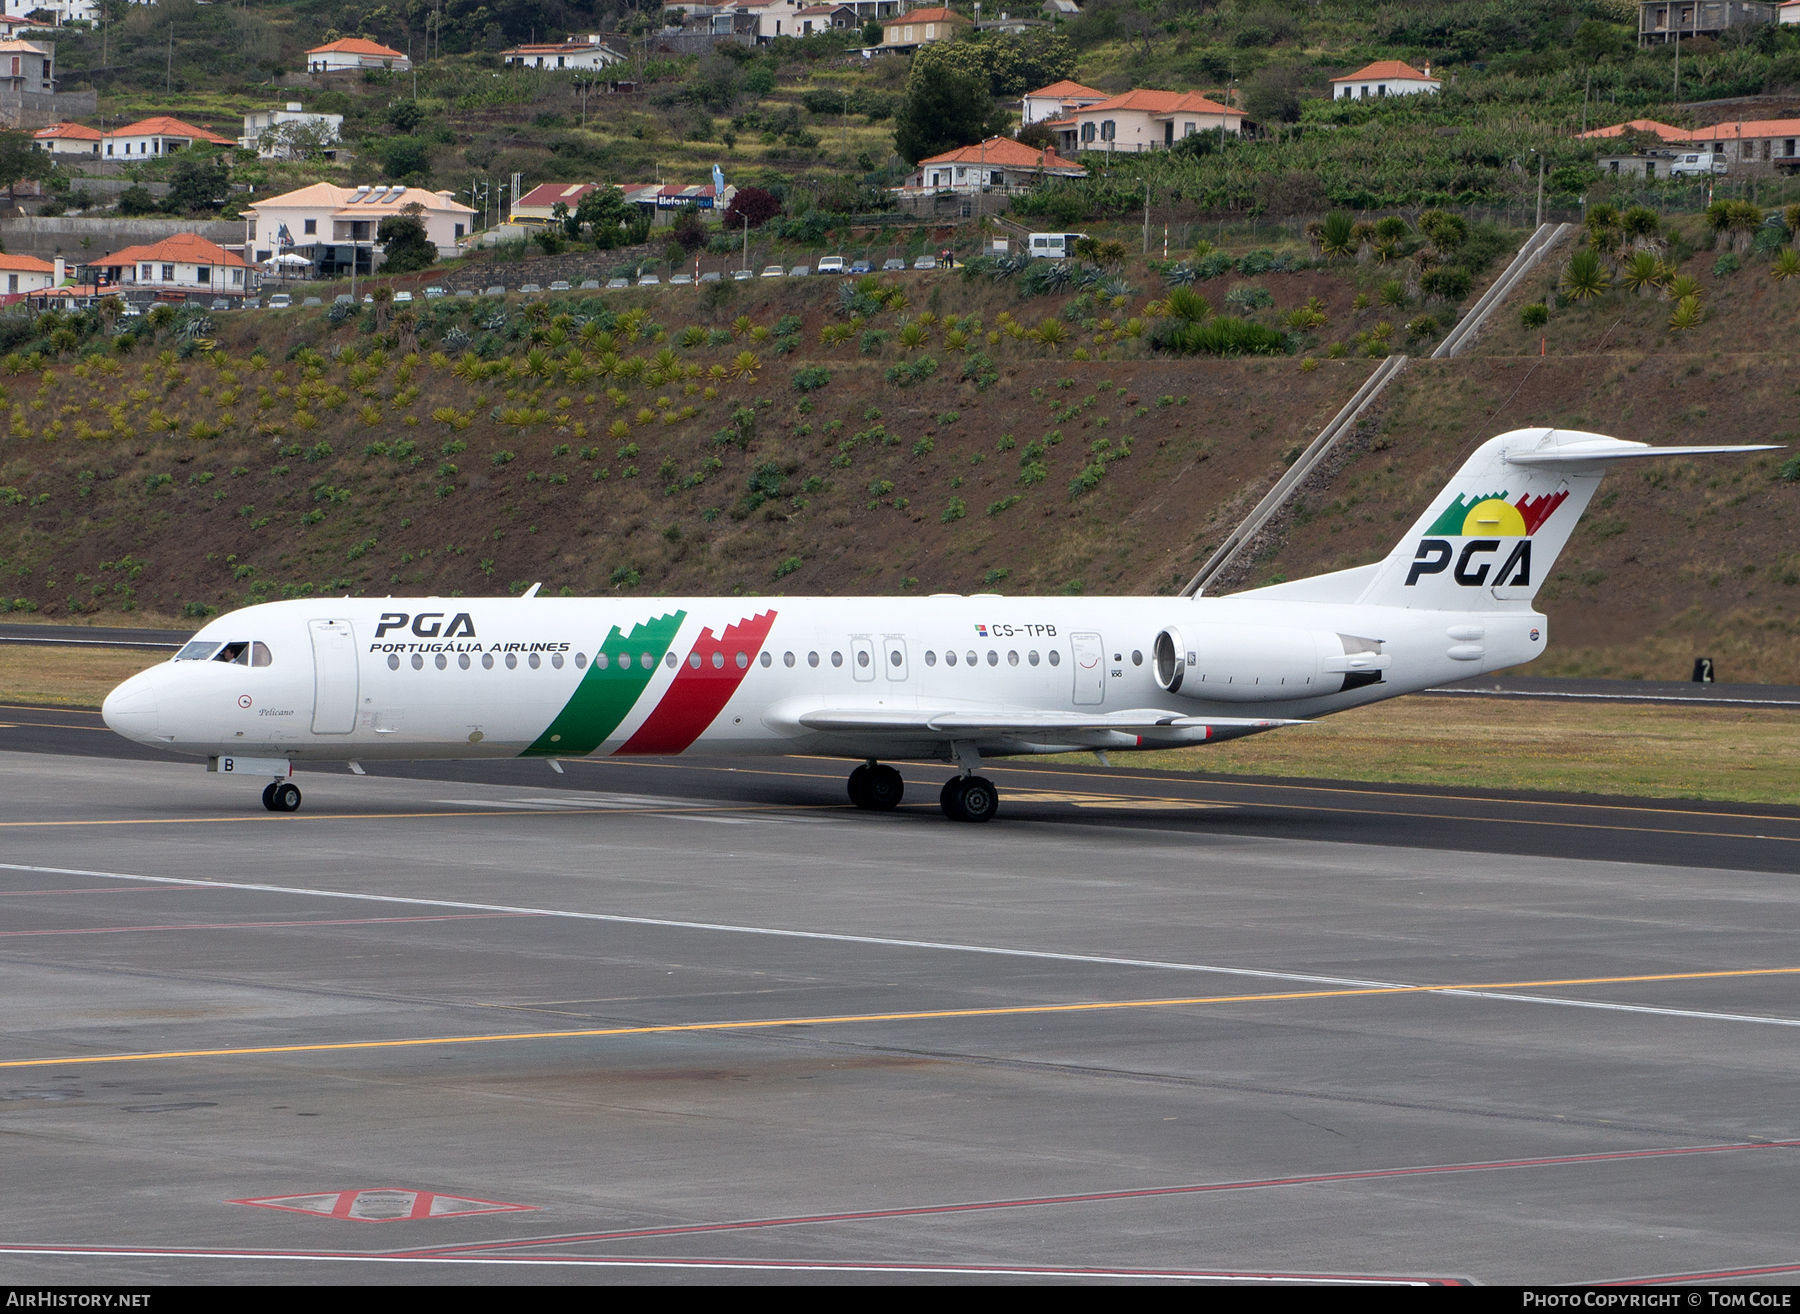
608 691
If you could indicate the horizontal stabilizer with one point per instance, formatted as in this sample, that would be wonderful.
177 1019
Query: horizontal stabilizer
1616 449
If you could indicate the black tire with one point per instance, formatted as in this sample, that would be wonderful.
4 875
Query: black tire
979 800
286 797
269 794
885 789
858 786
950 799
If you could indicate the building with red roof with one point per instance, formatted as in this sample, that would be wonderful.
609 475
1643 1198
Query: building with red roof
919 27
185 262
67 139
587 52
158 136
1055 101
21 275
997 164
1761 146
1385 77
354 53
1146 121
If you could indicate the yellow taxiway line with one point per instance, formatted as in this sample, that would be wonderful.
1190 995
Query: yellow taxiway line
764 1024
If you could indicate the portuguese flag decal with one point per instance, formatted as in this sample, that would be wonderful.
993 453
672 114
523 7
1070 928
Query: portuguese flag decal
1494 517
610 689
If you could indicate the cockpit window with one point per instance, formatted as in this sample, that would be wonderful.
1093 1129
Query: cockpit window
260 654
197 651
238 653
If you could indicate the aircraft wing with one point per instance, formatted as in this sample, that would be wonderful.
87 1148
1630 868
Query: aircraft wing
972 723
1602 450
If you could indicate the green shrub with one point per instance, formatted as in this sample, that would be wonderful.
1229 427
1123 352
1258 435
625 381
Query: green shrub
810 378
1536 315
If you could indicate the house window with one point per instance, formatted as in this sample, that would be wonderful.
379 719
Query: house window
1087 132
144 276
202 274
1381 88
1188 129
237 276
168 273
310 227
459 232
12 282
1108 130
1789 146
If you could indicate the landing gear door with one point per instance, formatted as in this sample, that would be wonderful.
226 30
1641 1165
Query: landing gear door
1090 669
334 677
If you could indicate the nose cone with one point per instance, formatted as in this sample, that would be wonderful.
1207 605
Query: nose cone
130 709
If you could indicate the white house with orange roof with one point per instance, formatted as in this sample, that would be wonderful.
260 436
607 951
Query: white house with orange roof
918 27
352 53
1149 120
1788 11
158 136
1056 101
337 226
21 275
67 139
185 262
588 52
1385 77
997 164
1748 146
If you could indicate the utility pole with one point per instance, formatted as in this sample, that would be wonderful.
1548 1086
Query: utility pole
415 68
1584 98
1540 196
1678 60
746 241
1146 217
169 82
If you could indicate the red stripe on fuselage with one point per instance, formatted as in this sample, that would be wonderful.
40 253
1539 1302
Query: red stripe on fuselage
699 692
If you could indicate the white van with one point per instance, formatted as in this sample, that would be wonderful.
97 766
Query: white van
1053 246
1697 165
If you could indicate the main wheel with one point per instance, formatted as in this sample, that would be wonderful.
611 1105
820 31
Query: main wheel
978 800
269 794
286 797
884 789
950 798
858 786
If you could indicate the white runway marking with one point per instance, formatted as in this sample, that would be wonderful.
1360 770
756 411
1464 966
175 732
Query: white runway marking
895 942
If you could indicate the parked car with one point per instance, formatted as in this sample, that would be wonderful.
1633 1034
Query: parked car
280 301
861 267
402 298
343 299
893 266
618 282
313 301
560 285
134 312
832 265
530 287
433 293
739 275
219 303
712 276
590 285
495 291
649 280
465 291
1699 165
682 279
800 271
925 262
774 271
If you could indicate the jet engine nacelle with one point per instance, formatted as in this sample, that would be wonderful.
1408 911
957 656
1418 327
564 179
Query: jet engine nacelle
1263 663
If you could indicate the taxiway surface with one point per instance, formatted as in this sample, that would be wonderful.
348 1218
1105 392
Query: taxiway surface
679 1021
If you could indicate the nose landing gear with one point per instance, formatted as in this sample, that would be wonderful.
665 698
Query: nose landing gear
876 788
281 796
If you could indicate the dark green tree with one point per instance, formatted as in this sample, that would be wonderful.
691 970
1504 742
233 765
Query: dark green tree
196 185
405 115
20 160
404 242
406 157
136 200
871 33
945 107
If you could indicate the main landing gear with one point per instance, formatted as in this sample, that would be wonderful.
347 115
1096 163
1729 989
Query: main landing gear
969 798
282 796
876 788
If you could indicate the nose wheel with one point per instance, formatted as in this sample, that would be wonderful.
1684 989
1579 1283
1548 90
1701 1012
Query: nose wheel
876 788
969 798
282 796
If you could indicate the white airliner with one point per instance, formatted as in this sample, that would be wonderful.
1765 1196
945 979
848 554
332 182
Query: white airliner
943 678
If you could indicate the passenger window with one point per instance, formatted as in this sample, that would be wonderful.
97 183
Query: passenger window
862 659
837 659
198 651
487 661
238 654
393 661
949 658
930 657
440 661
535 661
787 659
1137 657
512 661
1032 657
259 655
993 657
1055 657
556 660
766 660
972 659
418 662
580 661
462 660
1012 658
718 661
812 659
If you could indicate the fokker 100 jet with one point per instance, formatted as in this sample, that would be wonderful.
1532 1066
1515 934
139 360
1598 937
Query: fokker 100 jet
943 678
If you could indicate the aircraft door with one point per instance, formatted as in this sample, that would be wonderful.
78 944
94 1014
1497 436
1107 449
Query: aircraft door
334 677
1090 669
862 659
893 659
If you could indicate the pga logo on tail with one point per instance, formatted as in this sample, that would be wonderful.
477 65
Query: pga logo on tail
1483 526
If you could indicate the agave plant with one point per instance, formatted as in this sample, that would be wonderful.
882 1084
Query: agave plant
1684 287
1786 266
457 339
912 336
740 326
833 335
744 366
1051 334
537 364
607 364
631 369
1643 272
1187 305
693 336
665 368
1337 235
619 429
956 340
1179 274
1686 315
1585 278
1393 293
760 333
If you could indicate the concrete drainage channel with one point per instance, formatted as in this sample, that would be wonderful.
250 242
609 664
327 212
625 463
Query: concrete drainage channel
1536 247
